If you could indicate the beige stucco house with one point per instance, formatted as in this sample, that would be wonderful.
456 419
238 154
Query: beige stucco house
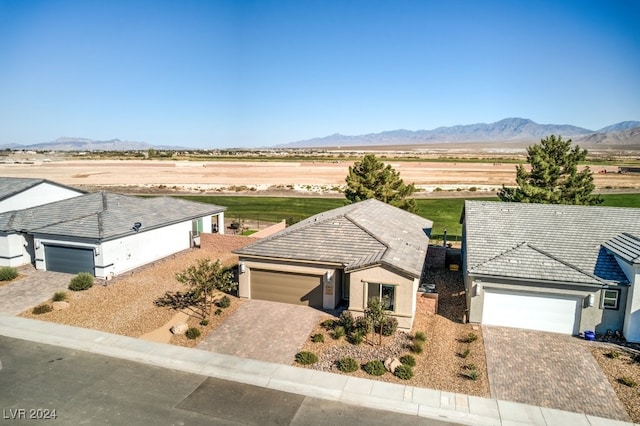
343 256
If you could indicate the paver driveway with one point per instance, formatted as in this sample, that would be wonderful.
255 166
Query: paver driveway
549 370
34 288
267 331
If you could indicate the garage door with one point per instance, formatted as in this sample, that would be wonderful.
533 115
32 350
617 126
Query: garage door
297 289
68 259
531 311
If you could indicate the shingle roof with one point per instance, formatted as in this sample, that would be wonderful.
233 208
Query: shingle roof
103 216
626 246
357 236
10 186
557 242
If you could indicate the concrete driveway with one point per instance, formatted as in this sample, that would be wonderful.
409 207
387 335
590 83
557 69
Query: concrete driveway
31 290
267 331
549 370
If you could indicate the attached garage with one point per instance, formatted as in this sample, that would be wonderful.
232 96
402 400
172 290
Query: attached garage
544 312
297 289
71 260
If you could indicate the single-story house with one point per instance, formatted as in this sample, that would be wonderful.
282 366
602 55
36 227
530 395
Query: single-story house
22 193
346 255
558 268
103 233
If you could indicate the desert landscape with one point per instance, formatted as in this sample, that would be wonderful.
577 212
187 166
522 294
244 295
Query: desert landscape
293 177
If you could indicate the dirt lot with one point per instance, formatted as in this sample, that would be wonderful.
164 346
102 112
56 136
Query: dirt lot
310 176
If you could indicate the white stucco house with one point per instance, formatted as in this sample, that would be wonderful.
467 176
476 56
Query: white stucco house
22 193
103 233
557 268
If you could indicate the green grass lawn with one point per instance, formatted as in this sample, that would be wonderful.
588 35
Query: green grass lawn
444 212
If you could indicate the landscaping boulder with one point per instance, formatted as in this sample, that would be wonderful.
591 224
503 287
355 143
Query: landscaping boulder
58 306
179 328
391 363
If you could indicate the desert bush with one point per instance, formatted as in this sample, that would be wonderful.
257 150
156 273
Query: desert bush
8 273
465 353
357 337
218 312
420 336
471 337
472 374
192 333
317 338
204 322
59 296
375 368
403 372
346 320
328 324
416 347
348 365
362 324
42 309
408 360
338 332
82 281
613 354
627 381
389 326
224 302
306 358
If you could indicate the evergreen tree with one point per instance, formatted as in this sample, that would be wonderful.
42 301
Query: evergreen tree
554 177
370 178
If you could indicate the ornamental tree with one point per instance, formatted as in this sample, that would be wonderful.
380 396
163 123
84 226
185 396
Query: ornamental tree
554 177
370 178
203 279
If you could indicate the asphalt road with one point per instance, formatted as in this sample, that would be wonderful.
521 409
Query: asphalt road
42 383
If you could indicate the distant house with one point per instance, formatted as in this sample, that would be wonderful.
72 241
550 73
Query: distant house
346 255
22 193
103 233
557 268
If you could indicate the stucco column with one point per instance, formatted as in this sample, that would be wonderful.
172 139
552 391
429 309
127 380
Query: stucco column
221 223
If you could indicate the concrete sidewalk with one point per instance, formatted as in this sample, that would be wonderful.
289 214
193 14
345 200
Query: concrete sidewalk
428 403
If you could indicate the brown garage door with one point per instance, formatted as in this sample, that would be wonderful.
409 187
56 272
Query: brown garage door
297 289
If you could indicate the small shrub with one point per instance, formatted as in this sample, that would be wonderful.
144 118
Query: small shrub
473 189
362 324
224 302
613 354
59 296
317 338
338 332
417 347
82 281
42 309
408 360
346 321
306 358
204 322
472 374
357 337
218 312
375 368
348 365
471 337
389 326
7 273
328 324
627 381
420 336
403 372
192 333
465 353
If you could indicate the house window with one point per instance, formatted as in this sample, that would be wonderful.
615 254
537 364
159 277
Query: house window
610 299
196 227
385 292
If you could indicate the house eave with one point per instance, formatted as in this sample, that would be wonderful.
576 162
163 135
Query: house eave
473 275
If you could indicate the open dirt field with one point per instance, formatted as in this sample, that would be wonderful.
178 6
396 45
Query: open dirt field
281 176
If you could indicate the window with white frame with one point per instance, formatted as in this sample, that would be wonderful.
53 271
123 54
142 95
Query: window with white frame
610 299
385 292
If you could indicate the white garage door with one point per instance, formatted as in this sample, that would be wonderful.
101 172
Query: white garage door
531 311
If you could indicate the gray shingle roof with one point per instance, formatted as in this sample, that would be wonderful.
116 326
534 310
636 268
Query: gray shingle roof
357 236
626 246
103 216
10 186
557 242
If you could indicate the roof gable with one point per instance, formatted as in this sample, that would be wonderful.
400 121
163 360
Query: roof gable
10 186
625 246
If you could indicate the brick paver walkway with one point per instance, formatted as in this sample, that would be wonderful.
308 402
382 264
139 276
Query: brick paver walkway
549 370
267 331
36 287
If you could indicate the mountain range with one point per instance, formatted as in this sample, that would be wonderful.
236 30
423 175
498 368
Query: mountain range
626 133
506 130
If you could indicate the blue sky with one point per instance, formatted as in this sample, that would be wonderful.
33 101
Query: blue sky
212 74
